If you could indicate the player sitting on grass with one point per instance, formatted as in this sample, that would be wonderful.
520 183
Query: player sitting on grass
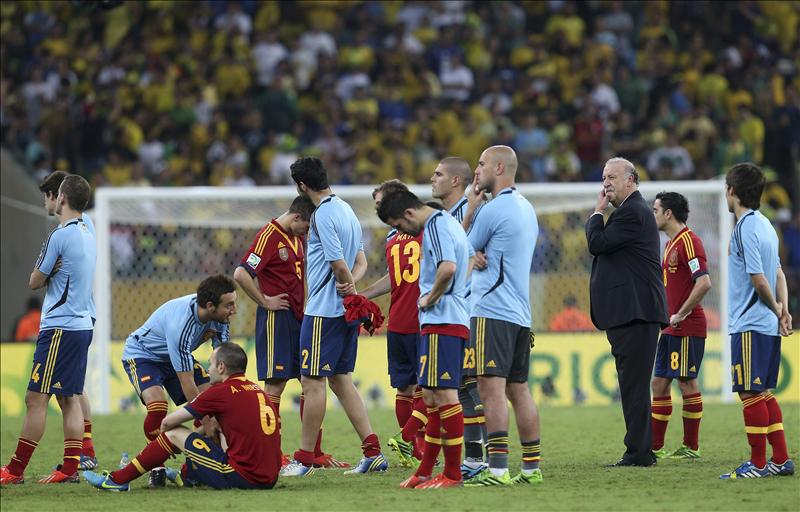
247 455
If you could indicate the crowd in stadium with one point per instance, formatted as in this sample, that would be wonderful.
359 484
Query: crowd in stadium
230 93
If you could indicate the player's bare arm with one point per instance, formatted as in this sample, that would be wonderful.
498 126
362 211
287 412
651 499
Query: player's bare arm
250 286
479 261
37 280
360 267
345 284
764 292
380 287
782 296
444 276
701 286
188 386
176 419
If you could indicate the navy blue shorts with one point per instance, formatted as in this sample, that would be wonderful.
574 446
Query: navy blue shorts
755 360
328 346
277 344
440 361
679 357
401 351
59 362
207 463
144 374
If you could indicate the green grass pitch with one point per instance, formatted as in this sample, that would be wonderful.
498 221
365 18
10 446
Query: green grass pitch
576 442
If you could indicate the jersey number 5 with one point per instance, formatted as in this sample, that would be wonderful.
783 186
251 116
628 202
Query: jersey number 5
409 275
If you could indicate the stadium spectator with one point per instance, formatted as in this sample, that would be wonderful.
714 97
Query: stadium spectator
26 328
571 318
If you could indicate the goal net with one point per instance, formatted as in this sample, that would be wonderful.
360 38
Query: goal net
159 243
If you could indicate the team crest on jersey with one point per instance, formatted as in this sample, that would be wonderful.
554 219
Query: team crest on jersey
673 258
283 253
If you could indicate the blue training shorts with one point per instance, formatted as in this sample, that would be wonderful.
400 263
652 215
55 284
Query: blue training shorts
207 463
401 351
755 360
277 344
144 373
679 357
328 346
440 361
59 362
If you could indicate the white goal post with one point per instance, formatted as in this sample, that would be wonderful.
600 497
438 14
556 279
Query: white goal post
154 241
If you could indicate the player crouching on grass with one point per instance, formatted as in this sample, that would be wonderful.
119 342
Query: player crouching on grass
245 454
443 316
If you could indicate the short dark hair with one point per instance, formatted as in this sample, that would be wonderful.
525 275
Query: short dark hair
747 181
213 288
676 203
77 191
309 170
303 206
436 205
389 186
393 205
234 357
51 182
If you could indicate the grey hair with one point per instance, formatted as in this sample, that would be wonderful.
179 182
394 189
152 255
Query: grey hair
628 167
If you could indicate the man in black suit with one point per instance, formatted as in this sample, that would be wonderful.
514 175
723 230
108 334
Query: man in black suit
627 297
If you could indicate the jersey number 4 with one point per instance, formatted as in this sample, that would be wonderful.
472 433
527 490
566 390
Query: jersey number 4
409 275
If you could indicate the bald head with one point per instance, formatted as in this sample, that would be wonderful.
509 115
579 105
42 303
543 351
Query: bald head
496 169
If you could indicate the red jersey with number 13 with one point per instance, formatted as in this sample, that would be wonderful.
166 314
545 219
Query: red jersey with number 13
402 258
684 262
249 421
276 259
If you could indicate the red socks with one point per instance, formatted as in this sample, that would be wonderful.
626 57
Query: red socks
660 412
417 420
21 457
371 446
403 405
88 443
775 434
156 412
692 413
451 417
756 421
154 455
72 456
433 443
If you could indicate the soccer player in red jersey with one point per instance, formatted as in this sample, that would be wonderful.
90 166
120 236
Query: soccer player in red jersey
272 274
681 346
244 454
402 338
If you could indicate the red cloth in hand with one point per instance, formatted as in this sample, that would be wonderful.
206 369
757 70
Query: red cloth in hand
359 309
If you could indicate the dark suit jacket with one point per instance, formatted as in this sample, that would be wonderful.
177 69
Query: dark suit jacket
626 283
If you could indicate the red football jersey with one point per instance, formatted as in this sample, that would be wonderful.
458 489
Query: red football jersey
276 259
249 421
402 259
684 261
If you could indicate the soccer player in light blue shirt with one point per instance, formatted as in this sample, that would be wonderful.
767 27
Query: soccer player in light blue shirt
448 183
335 261
503 233
66 268
158 355
758 317
443 318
